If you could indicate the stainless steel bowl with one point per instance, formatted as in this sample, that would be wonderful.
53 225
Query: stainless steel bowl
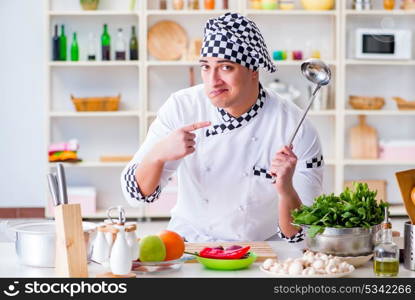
343 241
35 242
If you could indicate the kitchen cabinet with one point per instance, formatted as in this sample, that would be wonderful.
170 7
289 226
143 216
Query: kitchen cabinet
145 85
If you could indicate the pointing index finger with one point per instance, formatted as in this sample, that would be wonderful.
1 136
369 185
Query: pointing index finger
196 126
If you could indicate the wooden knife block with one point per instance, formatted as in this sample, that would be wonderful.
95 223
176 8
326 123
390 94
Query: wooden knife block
71 257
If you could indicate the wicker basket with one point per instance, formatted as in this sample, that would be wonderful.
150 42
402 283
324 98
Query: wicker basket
404 104
96 103
360 102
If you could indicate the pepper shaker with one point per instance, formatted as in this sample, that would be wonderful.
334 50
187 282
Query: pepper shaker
120 259
131 236
101 248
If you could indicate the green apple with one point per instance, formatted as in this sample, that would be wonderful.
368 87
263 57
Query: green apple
152 248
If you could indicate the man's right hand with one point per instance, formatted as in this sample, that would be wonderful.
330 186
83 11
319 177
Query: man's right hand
179 143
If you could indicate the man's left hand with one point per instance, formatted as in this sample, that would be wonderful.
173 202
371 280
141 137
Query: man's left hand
283 167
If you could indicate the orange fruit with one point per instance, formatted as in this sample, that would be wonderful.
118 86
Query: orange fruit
413 195
174 244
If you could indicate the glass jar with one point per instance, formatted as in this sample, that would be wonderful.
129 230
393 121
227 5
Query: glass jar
178 4
193 4
163 4
209 4
389 4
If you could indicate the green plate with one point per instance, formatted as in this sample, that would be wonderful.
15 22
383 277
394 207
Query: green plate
227 264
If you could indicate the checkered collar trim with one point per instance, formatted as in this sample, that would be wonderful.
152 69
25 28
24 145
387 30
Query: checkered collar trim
231 123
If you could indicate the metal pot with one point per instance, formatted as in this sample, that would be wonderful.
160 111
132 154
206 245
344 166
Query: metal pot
35 242
343 241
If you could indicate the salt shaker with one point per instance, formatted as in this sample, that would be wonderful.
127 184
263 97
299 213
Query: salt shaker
131 236
101 248
120 259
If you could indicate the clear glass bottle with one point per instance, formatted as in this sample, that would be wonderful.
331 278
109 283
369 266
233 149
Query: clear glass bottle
386 254
92 47
120 48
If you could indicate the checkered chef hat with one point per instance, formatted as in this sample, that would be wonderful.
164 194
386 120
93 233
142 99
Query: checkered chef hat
234 37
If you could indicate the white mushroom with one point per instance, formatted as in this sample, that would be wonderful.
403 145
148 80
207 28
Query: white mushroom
324 257
311 271
275 269
330 269
267 263
318 264
344 267
308 259
300 261
295 268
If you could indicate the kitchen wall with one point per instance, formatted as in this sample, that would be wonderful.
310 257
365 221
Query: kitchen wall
22 175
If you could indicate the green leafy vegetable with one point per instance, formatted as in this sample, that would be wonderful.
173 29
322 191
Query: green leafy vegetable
352 208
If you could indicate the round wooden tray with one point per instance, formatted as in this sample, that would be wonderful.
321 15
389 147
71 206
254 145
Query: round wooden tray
167 40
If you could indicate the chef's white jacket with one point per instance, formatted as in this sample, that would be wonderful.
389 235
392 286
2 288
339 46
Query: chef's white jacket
224 192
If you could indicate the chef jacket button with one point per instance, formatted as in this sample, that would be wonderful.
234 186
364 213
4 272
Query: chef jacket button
246 174
207 169
206 200
239 236
254 138
241 208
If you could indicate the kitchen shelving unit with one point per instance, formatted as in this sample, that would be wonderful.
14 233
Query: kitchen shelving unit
142 81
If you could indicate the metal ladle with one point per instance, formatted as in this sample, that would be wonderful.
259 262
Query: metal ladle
319 73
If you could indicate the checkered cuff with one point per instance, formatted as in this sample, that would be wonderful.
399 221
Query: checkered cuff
133 189
264 173
315 162
298 237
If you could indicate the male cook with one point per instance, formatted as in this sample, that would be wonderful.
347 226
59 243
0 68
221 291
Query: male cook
226 139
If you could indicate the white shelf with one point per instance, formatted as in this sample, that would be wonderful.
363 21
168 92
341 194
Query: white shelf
294 12
378 162
94 114
381 112
114 63
330 162
395 12
290 63
356 62
92 164
329 112
299 62
80 13
397 210
170 12
168 63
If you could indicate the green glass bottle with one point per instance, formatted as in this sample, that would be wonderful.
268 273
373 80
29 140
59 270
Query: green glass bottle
106 44
62 44
74 48
133 45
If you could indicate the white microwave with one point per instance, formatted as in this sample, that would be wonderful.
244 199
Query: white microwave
383 44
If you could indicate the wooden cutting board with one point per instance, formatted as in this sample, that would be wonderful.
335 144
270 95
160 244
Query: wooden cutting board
363 141
167 40
377 185
262 249
406 182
